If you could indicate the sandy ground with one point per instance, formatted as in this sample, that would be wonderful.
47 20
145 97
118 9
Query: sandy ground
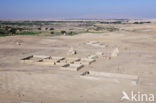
25 83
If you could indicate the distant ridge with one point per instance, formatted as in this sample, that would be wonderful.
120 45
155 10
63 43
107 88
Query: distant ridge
73 19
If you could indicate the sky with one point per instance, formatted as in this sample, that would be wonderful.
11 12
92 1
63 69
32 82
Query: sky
59 9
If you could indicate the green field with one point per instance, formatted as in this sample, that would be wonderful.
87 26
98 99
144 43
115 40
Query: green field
53 28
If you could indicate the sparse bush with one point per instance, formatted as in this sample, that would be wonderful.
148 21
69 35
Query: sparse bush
63 32
52 32
7 28
141 22
20 29
3 31
13 30
72 33
99 28
39 28
111 29
51 28
115 22
46 28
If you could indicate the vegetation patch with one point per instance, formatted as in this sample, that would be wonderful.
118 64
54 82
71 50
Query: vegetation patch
54 28
28 33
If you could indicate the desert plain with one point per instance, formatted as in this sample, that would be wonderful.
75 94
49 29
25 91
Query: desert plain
33 83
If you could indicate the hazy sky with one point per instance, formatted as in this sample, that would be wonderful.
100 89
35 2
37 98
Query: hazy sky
39 9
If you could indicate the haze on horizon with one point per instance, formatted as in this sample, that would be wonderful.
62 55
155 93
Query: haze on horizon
66 9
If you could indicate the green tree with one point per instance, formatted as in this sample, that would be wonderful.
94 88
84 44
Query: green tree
51 28
52 32
13 31
63 32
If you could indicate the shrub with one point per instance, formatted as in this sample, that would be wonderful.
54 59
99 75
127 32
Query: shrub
52 32
72 33
13 30
63 32
51 28
39 28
